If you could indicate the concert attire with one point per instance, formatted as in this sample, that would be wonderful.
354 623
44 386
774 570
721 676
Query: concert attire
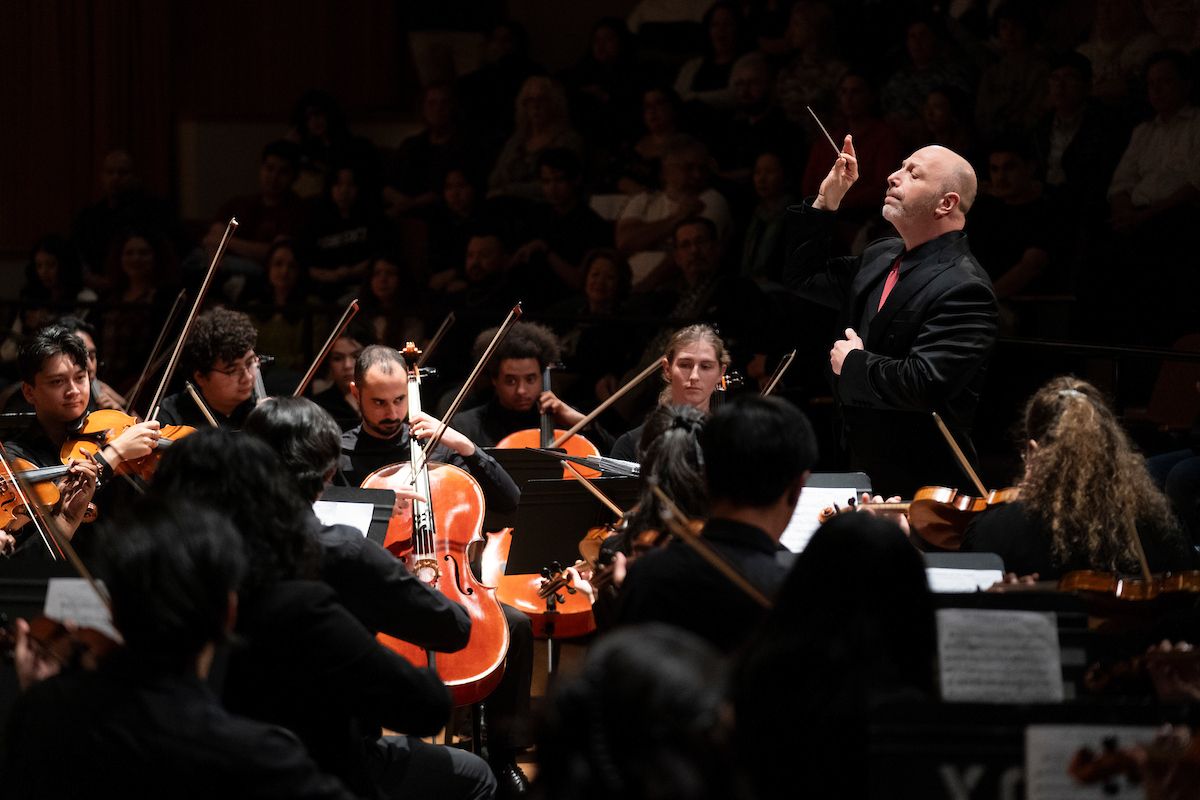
925 349
181 409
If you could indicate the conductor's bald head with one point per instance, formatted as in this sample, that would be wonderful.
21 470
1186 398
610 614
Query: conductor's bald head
930 194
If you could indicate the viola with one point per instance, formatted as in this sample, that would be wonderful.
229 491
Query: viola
100 427
68 645
431 539
1131 589
938 515
40 483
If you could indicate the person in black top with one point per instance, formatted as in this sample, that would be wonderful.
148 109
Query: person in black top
381 386
696 363
758 452
307 663
518 401
919 317
145 724
219 356
55 382
339 399
371 583
1085 496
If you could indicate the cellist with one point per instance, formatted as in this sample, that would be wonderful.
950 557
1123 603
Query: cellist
519 396
381 387
55 381
758 452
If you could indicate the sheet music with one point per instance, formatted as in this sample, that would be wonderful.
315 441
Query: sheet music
1050 748
989 656
74 600
943 580
806 518
356 515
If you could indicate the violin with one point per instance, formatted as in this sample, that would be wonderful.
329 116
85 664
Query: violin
99 428
937 515
432 539
69 646
1131 589
40 481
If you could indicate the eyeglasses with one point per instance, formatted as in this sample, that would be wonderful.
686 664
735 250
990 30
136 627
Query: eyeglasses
249 365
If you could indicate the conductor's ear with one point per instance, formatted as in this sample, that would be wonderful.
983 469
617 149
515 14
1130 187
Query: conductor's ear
949 202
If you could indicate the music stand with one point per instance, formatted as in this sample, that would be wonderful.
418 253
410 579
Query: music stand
555 515
381 501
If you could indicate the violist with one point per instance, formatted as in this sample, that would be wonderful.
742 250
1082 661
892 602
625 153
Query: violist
55 381
1084 495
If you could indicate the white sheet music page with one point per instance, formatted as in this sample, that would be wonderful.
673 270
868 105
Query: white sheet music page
1050 748
806 517
989 656
356 515
74 600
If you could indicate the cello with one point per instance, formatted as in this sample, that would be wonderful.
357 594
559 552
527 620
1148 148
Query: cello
431 538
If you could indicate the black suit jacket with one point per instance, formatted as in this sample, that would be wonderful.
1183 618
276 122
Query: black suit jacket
926 350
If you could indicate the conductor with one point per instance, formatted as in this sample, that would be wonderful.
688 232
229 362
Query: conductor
918 312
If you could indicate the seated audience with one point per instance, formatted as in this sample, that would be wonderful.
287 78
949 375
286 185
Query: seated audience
542 122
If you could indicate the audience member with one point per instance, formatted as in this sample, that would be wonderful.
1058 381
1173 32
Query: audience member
53 285
391 303
756 126
764 247
282 314
422 159
929 66
542 122
638 167
143 279
947 118
339 399
1120 43
487 94
325 142
707 79
810 69
649 219
603 85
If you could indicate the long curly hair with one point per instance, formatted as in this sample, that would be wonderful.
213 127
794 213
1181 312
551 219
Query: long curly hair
1084 480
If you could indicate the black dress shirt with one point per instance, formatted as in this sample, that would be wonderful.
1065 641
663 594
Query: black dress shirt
123 731
383 595
675 585
363 453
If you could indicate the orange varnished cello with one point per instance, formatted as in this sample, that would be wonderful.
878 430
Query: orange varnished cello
526 592
432 539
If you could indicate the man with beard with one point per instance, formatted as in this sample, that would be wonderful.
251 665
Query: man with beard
919 315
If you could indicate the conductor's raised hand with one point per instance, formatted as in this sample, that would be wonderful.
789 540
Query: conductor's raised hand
840 178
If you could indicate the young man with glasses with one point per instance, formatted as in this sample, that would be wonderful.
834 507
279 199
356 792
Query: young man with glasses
221 363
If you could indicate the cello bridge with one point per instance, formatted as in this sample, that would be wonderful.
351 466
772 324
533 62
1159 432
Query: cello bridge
426 570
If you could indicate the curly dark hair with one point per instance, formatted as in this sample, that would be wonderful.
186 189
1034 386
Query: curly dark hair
242 477
218 334
525 340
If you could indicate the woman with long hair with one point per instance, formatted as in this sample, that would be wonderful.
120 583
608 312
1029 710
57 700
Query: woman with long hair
542 122
696 361
1086 497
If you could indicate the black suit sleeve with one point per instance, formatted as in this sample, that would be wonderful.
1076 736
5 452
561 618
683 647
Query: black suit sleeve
810 271
499 489
955 336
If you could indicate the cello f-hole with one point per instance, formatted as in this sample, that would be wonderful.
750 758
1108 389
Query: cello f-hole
458 575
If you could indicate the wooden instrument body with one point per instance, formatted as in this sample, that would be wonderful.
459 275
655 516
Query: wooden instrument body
575 446
102 426
457 507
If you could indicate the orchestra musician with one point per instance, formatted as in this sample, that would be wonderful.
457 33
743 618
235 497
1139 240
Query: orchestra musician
307 662
518 399
219 355
103 395
758 453
382 438
1084 495
696 362
339 398
145 724
54 375
919 314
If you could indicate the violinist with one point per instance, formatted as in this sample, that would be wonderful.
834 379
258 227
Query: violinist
381 386
518 397
219 356
307 663
758 452
144 724
103 395
1084 494
696 362
55 382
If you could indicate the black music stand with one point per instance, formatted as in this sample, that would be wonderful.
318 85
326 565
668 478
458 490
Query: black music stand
381 501
522 465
